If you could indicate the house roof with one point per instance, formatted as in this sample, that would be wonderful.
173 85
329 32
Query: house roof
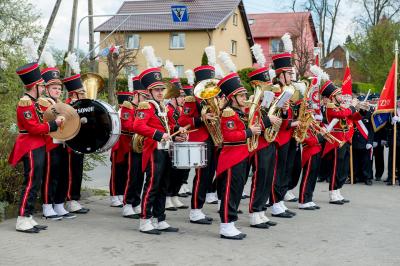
203 15
268 25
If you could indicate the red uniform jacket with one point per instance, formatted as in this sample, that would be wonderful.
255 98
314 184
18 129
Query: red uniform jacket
31 130
341 130
265 122
148 124
286 131
191 116
173 116
124 143
234 149
311 146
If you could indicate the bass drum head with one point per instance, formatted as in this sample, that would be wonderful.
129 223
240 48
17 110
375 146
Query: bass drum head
96 126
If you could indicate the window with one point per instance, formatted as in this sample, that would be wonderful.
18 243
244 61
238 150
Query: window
235 19
276 46
337 64
133 41
177 41
233 47
181 71
132 69
252 21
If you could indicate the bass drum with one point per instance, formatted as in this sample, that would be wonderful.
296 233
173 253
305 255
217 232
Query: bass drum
100 127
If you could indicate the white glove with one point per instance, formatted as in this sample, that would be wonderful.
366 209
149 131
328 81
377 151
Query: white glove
318 117
383 142
368 146
395 119
374 144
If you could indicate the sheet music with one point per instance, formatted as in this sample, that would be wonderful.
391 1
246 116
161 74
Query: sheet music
286 95
267 100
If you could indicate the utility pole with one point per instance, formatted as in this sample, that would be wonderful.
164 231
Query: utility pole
48 27
91 36
72 35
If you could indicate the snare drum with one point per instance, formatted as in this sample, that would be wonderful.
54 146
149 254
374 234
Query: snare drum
186 155
100 127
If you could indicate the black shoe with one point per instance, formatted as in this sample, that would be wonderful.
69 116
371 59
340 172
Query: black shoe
171 209
271 223
245 197
282 215
132 216
368 182
53 217
183 195
82 211
201 221
33 230
317 207
240 212
345 201
348 181
183 207
378 178
213 202
320 179
291 212
260 226
189 193
151 232
68 216
40 227
309 208
293 200
169 230
389 183
236 237
337 202
117 206
209 219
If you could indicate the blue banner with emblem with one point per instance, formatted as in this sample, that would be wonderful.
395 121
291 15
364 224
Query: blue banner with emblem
180 13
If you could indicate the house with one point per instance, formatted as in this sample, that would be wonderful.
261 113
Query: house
268 28
220 23
335 65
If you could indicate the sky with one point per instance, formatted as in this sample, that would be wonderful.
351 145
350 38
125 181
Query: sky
60 32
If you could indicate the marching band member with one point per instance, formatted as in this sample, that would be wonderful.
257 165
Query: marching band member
340 163
175 96
76 91
151 122
263 162
29 147
233 163
283 68
56 180
134 184
192 116
120 163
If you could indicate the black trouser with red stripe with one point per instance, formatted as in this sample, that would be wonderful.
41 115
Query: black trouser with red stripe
55 182
177 176
309 178
202 181
264 169
293 170
339 169
34 167
134 184
75 175
213 187
231 184
119 174
155 186
281 180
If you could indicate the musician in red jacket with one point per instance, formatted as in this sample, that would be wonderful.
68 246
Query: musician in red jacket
176 97
233 162
30 145
55 180
134 184
120 151
336 111
76 91
152 122
204 176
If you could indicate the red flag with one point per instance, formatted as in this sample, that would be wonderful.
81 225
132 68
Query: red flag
386 101
347 83
317 60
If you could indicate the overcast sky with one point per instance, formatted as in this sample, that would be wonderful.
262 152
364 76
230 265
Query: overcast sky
60 32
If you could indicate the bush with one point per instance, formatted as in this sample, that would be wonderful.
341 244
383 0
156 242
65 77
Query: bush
245 79
359 87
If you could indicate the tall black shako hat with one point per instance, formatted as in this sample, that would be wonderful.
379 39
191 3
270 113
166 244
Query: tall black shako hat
283 61
328 89
231 85
204 72
124 96
30 73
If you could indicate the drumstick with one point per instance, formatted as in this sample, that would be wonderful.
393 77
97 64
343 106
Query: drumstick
187 132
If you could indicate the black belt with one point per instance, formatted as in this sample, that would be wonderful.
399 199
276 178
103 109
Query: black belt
234 143
123 132
23 132
340 130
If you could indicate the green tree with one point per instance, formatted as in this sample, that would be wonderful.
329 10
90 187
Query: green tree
204 59
374 50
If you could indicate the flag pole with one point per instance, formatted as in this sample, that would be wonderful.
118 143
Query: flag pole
351 145
396 50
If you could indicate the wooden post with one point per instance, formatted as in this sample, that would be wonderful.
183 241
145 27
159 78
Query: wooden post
72 35
91 36
48 28
396 50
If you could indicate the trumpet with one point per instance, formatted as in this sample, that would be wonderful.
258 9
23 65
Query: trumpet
327 136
